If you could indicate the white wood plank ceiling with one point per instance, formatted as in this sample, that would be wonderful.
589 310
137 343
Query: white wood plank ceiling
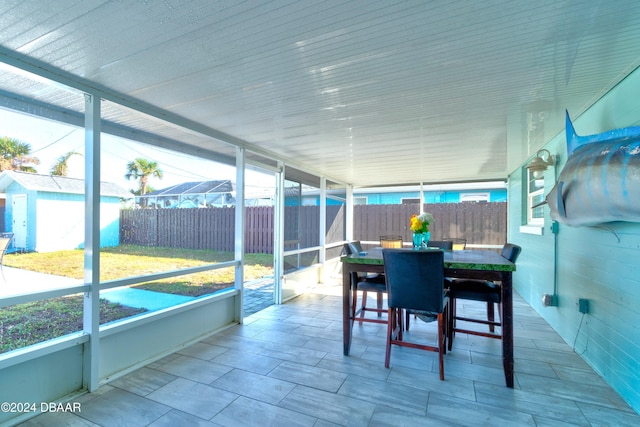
365 92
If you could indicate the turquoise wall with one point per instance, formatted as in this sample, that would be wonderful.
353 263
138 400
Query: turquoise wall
495 195
601 264
429 196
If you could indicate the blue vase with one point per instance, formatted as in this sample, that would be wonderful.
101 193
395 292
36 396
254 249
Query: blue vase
417 240
421 240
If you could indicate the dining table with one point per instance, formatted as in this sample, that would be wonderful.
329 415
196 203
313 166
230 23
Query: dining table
464 264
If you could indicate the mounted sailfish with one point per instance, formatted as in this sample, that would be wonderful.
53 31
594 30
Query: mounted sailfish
601 180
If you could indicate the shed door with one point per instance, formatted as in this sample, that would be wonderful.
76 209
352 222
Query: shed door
19 225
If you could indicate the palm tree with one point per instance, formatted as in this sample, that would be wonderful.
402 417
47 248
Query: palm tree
15 155
141 169
60 168
150 189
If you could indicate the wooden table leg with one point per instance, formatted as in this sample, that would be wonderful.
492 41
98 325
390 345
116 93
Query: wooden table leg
507 327
347 322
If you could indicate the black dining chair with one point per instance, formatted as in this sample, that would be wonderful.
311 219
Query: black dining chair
459 244
479 290
390 241
446 245
415 281
366 282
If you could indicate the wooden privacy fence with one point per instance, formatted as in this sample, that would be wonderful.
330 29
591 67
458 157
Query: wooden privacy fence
477 223
196 228
213 228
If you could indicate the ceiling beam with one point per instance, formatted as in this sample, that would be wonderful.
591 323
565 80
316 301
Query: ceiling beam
36 108
45 70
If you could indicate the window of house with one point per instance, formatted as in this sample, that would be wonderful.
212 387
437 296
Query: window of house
474 197
408 200
360 200
535 195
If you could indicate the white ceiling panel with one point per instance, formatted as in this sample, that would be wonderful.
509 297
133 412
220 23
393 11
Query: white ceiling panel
365 92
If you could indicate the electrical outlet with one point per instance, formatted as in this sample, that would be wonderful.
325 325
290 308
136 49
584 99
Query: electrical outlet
549 300
583 305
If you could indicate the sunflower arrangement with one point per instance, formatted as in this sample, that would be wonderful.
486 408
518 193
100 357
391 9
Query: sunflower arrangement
420 223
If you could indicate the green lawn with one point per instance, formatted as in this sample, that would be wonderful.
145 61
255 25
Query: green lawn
127 261
30 323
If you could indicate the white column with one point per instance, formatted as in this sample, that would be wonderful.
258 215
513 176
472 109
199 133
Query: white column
322 229
91 312
349 213
278 236
240 230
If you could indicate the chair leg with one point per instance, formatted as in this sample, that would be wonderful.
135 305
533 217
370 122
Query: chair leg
363 305
379 303
447 323
395 331
391 325
491 316
454 313
451 329
354 297
445 327
407 319
441 345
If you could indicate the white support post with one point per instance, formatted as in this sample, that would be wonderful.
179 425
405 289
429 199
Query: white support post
278 236
240 230
91 312
322 229
349 214
421 198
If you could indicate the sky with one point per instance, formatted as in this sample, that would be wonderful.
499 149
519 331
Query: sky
49 140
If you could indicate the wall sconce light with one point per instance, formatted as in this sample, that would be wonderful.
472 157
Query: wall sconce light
541 162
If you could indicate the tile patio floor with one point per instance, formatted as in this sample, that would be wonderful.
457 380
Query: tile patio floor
284 367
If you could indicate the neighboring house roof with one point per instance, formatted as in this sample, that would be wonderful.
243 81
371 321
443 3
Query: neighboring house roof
199 187
57 184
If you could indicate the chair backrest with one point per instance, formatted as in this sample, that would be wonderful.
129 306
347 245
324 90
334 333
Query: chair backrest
459 244
391 241
511 252
415 279
353 247
446 245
